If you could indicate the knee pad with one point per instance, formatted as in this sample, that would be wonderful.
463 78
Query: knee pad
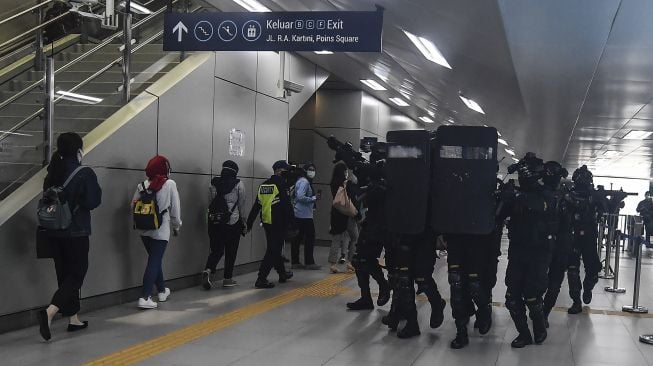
477 292
514 304
456 279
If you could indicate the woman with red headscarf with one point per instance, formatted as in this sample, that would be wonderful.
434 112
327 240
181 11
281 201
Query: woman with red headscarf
155 241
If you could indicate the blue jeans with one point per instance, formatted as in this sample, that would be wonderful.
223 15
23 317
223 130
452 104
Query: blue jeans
154 270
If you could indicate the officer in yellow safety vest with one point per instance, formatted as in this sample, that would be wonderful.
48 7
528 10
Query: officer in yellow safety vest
276 211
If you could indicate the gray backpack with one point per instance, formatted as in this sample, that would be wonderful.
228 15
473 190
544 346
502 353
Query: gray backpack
53 210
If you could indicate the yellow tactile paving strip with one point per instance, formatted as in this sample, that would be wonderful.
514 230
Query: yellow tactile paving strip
325 288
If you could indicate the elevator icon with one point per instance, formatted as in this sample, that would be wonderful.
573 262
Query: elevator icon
251 30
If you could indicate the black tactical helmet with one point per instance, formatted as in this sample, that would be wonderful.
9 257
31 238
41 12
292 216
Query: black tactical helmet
553 173
529 167
583 177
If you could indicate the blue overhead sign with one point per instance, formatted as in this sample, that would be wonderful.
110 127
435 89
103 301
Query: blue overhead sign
337 31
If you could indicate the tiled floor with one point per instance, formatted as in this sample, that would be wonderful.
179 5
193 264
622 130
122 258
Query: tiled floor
318 331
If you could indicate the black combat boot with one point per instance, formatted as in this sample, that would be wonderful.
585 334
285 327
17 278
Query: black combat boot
384 294
437 314
539 324
588 285
461 340
364 303
575 286
549 302
522 340
392 319
285 276
518 315
411 329
484 319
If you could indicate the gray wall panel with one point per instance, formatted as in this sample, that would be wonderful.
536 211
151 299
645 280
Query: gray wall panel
337 108
234 109
271 136
301 144
301 71
369 114
267 73
26 281
186 121
131 146
322 214
305 117
237 67
117 257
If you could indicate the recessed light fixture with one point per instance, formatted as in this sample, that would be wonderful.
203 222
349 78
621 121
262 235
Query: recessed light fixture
515 160
400 102
471 104
15 133
373 84
428 49
499 133
79 98
510 152
611 153
405 94
637 135
382 76
137 8
426 119
450 120
431 113
324 52
503 142
252 5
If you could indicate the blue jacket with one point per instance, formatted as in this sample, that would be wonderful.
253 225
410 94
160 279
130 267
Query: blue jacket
83 194
304 199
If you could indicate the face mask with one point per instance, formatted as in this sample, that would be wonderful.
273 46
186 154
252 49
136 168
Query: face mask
310 174
80 155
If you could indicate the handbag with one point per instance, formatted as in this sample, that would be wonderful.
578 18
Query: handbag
44 248
343 203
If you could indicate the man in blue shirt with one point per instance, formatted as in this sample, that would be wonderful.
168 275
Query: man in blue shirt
304 204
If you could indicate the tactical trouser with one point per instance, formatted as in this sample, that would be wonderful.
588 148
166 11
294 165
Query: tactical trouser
490 277
468 265
557 269
365 261
526 281
584 247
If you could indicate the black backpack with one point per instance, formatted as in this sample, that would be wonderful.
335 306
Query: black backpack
146 210
219 212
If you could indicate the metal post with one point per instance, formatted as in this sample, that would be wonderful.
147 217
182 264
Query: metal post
38 43
607 272
635 308
615 285
601 234
48 117
126 54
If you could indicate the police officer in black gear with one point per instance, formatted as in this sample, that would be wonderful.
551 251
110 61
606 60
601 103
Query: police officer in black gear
553 174
371 239
587 208
531 231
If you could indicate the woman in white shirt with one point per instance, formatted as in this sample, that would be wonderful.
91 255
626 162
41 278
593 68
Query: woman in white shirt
155 241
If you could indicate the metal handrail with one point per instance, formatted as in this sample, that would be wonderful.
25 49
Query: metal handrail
26 11
81 57
31 31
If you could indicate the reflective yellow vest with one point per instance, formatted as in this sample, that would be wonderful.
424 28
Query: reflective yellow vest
268 196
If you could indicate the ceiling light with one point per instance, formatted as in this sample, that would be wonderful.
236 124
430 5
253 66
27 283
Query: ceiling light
499 133
426 119
503 142
252 5
450 120
324 52
611 153
637 135
431 113
405 94
400 102
373 84
381 76
15 133
515 160
79 98
136 8
510 152
428 49
471 104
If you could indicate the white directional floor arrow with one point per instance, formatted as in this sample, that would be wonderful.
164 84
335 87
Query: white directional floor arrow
179 29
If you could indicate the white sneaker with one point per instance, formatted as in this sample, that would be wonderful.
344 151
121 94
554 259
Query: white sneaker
147 304
163 296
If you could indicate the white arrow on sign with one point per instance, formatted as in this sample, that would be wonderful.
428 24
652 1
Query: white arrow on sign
179 29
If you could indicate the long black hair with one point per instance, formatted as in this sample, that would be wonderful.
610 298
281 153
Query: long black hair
338 176
68 145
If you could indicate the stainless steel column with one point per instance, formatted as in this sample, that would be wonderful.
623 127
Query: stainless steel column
617 253
48 115
611 223
126 54
636 308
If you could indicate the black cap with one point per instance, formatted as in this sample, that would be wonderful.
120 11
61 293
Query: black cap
281 164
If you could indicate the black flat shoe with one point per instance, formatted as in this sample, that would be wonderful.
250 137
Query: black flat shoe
75 327
44 328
